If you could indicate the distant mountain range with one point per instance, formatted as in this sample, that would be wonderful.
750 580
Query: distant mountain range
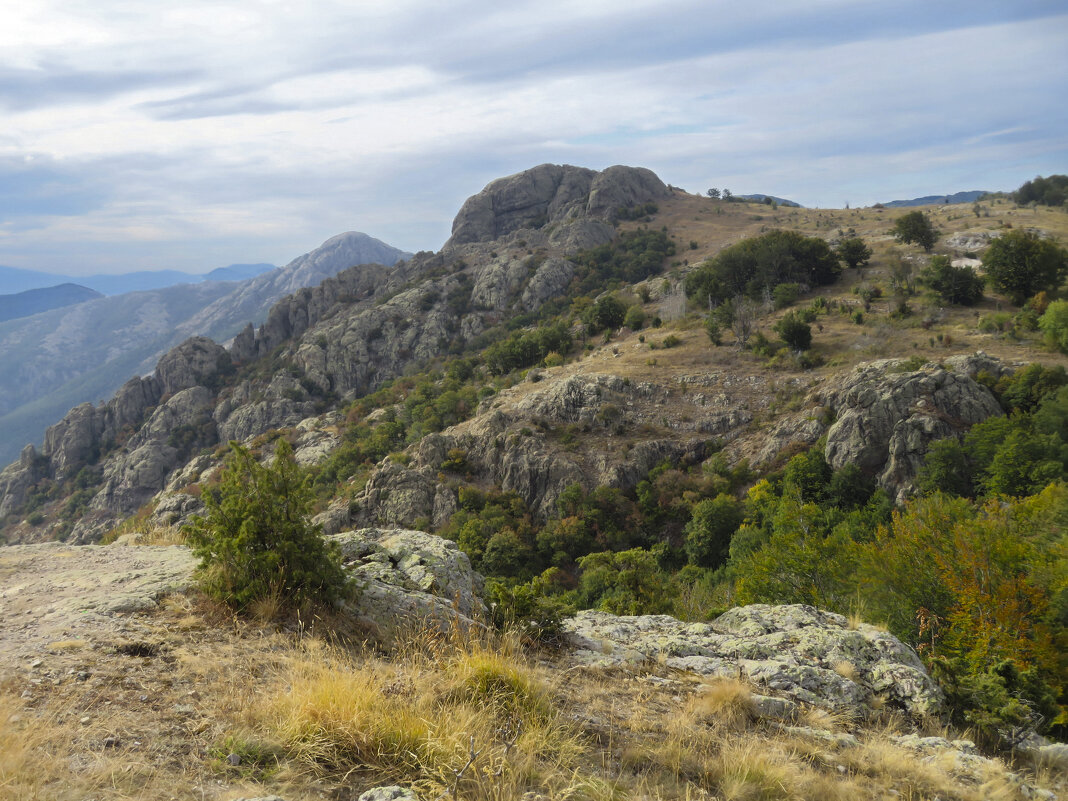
940 200
759 198
55 360
35 301
15 279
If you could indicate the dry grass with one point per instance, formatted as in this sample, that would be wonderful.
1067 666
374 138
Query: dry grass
312 716
725 703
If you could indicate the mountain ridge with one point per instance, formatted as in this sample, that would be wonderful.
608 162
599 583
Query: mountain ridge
50 361
16 279
931 200
35 301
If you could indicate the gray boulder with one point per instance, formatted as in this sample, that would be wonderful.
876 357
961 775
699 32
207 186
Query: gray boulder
16 480
799 652
391 793
408 579
886 420
196 361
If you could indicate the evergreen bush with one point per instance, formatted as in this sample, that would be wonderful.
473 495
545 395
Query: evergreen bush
256 542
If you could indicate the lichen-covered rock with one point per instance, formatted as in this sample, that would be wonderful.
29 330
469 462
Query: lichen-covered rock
550 280
391 793
408 578
886 420
968 764
140 470
799 652
195 361
16 480
176 509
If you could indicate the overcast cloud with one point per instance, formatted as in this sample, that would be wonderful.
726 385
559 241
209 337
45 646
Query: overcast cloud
196 134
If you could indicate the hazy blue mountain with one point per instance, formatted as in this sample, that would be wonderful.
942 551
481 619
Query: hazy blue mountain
14 279
53 361
759 198
238 272
35 301
940 200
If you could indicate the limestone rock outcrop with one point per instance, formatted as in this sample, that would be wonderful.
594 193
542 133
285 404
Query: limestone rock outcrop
883 416
885 420
799 652
514 447
408 579
18 479
551 193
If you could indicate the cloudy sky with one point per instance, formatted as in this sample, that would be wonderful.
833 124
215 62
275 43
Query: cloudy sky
192 135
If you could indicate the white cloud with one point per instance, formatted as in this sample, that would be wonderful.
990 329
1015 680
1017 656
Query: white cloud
259 125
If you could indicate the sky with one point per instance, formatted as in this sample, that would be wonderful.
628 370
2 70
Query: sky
191 135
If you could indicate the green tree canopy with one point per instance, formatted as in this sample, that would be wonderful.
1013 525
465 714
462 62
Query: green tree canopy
1051 191
709 532
853 252
1020 263
959 285
916 227
763 262
608 312
1054 324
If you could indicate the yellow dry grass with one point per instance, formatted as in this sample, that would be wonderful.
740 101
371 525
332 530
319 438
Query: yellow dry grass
464 715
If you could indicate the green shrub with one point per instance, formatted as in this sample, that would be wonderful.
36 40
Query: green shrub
998 703
960 285
796 333
1054 324
785 294
853 252
635 318
256 542
1020 263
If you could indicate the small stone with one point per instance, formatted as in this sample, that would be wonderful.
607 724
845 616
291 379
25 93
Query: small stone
391 793
36 663
233 759
112 742
143 698
85 720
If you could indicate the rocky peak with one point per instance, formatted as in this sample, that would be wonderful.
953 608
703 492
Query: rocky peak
551 193
195 361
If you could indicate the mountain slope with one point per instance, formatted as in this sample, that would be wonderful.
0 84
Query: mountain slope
347 336
13 279
249 302
35 301
527 248
942 200
53 361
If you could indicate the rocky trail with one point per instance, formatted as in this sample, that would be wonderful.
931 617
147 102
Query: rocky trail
57 600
